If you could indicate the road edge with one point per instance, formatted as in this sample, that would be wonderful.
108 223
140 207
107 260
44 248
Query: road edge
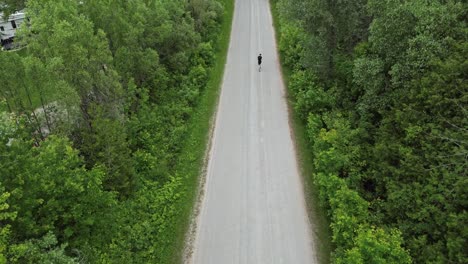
216 83
318 222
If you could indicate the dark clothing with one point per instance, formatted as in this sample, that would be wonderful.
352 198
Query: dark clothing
259 59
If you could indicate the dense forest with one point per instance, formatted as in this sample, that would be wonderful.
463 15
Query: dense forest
95 112
382 89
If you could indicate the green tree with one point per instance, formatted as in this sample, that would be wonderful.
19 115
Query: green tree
392 74
4 228
44 250
51 190
376 246
114 83
8 7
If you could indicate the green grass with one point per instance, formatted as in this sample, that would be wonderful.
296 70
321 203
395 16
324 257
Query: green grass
191 162
317 214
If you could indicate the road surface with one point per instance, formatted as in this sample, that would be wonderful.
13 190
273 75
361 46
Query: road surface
253 209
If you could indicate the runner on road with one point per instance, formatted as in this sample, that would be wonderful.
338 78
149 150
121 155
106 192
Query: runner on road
259 58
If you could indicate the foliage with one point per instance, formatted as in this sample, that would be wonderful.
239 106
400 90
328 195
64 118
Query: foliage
382 88
99 112
42 250
368 250
4 229
10 6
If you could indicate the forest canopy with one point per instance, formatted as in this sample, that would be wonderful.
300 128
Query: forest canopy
95 109
382 88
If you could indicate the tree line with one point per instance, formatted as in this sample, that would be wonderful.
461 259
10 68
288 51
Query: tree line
97 105
382 88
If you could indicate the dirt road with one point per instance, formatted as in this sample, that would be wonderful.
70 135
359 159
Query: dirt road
253 210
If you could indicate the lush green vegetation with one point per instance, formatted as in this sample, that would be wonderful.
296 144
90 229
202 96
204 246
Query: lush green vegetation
316 213
106 170
381 87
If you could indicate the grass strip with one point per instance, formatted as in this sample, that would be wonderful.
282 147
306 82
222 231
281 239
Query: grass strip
191 162
317 214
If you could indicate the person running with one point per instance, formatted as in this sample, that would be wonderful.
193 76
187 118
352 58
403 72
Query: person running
259 58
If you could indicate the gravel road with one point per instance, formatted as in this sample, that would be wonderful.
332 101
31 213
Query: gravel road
253 209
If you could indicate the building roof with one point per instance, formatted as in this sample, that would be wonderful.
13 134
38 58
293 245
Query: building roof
17 15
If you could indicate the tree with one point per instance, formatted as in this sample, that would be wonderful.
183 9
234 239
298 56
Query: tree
4 228
376 246
392 129
8 7
114 84
50 189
